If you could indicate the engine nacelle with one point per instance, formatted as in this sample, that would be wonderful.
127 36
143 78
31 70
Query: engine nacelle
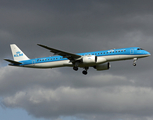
101 60
104 66
89 59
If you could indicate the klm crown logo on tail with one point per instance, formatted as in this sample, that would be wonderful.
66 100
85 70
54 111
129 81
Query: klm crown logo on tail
18 54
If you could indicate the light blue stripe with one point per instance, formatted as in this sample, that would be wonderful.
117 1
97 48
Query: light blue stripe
112 52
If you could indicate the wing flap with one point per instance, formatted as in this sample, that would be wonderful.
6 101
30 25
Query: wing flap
12 61
68 55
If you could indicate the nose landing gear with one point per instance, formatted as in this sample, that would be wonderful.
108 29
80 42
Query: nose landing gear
134 61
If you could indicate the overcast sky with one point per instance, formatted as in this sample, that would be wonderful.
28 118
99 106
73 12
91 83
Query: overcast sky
122 93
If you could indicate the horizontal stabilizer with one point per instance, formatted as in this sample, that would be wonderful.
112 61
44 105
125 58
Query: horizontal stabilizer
12 61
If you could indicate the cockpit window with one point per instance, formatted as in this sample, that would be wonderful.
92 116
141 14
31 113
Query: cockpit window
140 49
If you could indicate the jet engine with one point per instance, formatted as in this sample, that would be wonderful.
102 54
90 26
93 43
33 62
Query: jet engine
104 66
90 59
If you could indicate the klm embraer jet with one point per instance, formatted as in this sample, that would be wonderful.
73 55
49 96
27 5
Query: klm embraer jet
98 59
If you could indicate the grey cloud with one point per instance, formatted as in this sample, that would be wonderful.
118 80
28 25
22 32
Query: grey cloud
68 101
16 79
78 26
53 92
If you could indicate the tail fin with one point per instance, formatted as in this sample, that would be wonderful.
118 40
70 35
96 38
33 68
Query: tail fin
18 55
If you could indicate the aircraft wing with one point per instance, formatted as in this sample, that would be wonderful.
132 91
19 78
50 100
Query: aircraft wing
68 55
12 61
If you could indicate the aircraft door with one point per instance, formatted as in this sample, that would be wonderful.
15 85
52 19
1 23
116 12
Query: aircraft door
132 51
33 62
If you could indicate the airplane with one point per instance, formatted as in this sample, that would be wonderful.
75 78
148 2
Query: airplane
100 60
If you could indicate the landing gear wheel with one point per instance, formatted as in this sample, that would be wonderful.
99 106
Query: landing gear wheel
75 68
134 61
84 72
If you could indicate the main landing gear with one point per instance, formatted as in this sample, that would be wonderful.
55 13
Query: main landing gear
76 66
134 61
85 71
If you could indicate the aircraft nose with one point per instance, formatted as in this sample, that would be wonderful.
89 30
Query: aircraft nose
147 53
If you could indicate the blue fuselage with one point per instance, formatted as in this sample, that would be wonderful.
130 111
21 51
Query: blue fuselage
109 55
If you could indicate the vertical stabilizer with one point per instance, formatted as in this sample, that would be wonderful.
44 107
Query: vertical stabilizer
18 55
